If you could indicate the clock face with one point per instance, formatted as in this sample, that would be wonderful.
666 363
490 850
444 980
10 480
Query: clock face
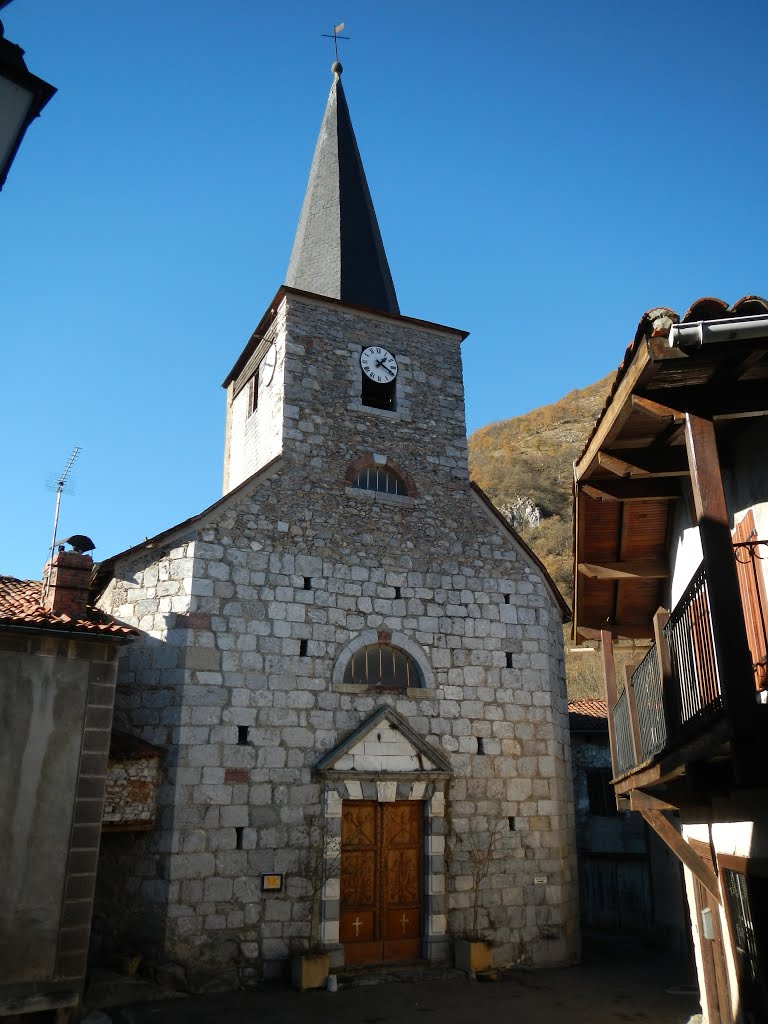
378 364
268 364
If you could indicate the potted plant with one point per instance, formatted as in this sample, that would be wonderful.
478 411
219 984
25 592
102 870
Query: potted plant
472 952
318 863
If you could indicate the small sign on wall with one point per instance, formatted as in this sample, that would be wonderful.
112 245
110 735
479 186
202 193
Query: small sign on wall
271 883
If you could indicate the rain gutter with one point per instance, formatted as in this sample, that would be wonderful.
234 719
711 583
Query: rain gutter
710 332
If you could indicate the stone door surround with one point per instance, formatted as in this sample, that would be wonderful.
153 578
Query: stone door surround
384 760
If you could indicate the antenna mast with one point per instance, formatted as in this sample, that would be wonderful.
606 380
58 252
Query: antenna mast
60 484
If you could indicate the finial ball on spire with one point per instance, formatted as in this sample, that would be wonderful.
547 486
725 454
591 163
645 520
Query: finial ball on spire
336 67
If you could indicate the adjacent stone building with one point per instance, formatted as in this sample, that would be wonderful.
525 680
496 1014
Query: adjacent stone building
58 663
352 643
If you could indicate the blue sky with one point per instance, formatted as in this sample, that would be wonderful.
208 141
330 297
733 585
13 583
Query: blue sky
543 173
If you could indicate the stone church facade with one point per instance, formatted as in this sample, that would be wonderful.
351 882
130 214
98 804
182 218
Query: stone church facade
350 640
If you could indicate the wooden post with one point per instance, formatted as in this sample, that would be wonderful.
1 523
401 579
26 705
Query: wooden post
634 725
683 851
734 661
609 675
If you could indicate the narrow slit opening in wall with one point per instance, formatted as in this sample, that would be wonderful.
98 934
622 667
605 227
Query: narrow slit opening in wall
242 735
238 837
253 393
507 598
480 745
398 593
511 821
509 660
303 648
307 582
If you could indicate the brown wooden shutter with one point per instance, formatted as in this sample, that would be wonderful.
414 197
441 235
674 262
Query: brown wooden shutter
749 568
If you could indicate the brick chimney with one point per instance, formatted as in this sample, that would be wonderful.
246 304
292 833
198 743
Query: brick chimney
69 583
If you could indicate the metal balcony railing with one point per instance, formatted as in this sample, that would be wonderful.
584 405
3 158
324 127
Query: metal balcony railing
625 756
693 693
696 690
649 700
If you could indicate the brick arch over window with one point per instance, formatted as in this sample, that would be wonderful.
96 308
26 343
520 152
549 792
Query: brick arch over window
369 461
395 639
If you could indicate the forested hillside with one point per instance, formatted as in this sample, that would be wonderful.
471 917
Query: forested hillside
525 466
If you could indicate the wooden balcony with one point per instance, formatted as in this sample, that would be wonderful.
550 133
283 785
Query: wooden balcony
672 712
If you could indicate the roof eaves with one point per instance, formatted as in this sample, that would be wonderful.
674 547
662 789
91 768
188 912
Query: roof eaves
430 325
285 290
56 625
656 322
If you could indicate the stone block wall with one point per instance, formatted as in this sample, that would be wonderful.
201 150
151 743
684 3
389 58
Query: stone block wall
254 438
249 616
130 797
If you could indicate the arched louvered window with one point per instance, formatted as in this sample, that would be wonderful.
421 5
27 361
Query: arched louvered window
382 665
379 478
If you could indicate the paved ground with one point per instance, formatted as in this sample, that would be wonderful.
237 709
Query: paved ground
617 983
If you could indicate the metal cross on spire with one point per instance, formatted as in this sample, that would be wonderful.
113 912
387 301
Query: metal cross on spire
335 37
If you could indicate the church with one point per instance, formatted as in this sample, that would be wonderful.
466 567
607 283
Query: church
350 653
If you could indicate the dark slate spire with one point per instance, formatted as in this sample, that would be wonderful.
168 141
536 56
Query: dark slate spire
338 249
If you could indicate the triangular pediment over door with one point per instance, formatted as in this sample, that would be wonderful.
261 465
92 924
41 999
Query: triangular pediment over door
384 744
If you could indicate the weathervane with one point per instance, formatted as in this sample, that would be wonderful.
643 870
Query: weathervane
335 37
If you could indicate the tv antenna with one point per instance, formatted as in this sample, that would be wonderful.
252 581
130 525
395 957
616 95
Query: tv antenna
63 482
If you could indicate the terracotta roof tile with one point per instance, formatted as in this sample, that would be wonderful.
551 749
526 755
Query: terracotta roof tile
592 708
588 715
20 606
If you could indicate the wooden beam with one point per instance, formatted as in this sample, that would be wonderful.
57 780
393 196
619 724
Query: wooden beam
733 367
609 678
655 409
706 476
672 769
645 778
659 350
619 409
645 462
674 796
616 629
643 489
734 661
640 801
666 831
740 399
637 569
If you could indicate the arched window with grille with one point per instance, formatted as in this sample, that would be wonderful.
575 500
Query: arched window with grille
379 478
384 666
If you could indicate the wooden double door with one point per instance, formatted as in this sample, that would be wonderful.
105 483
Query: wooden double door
382 857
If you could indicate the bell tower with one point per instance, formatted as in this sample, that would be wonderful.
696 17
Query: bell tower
338 249
337 253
